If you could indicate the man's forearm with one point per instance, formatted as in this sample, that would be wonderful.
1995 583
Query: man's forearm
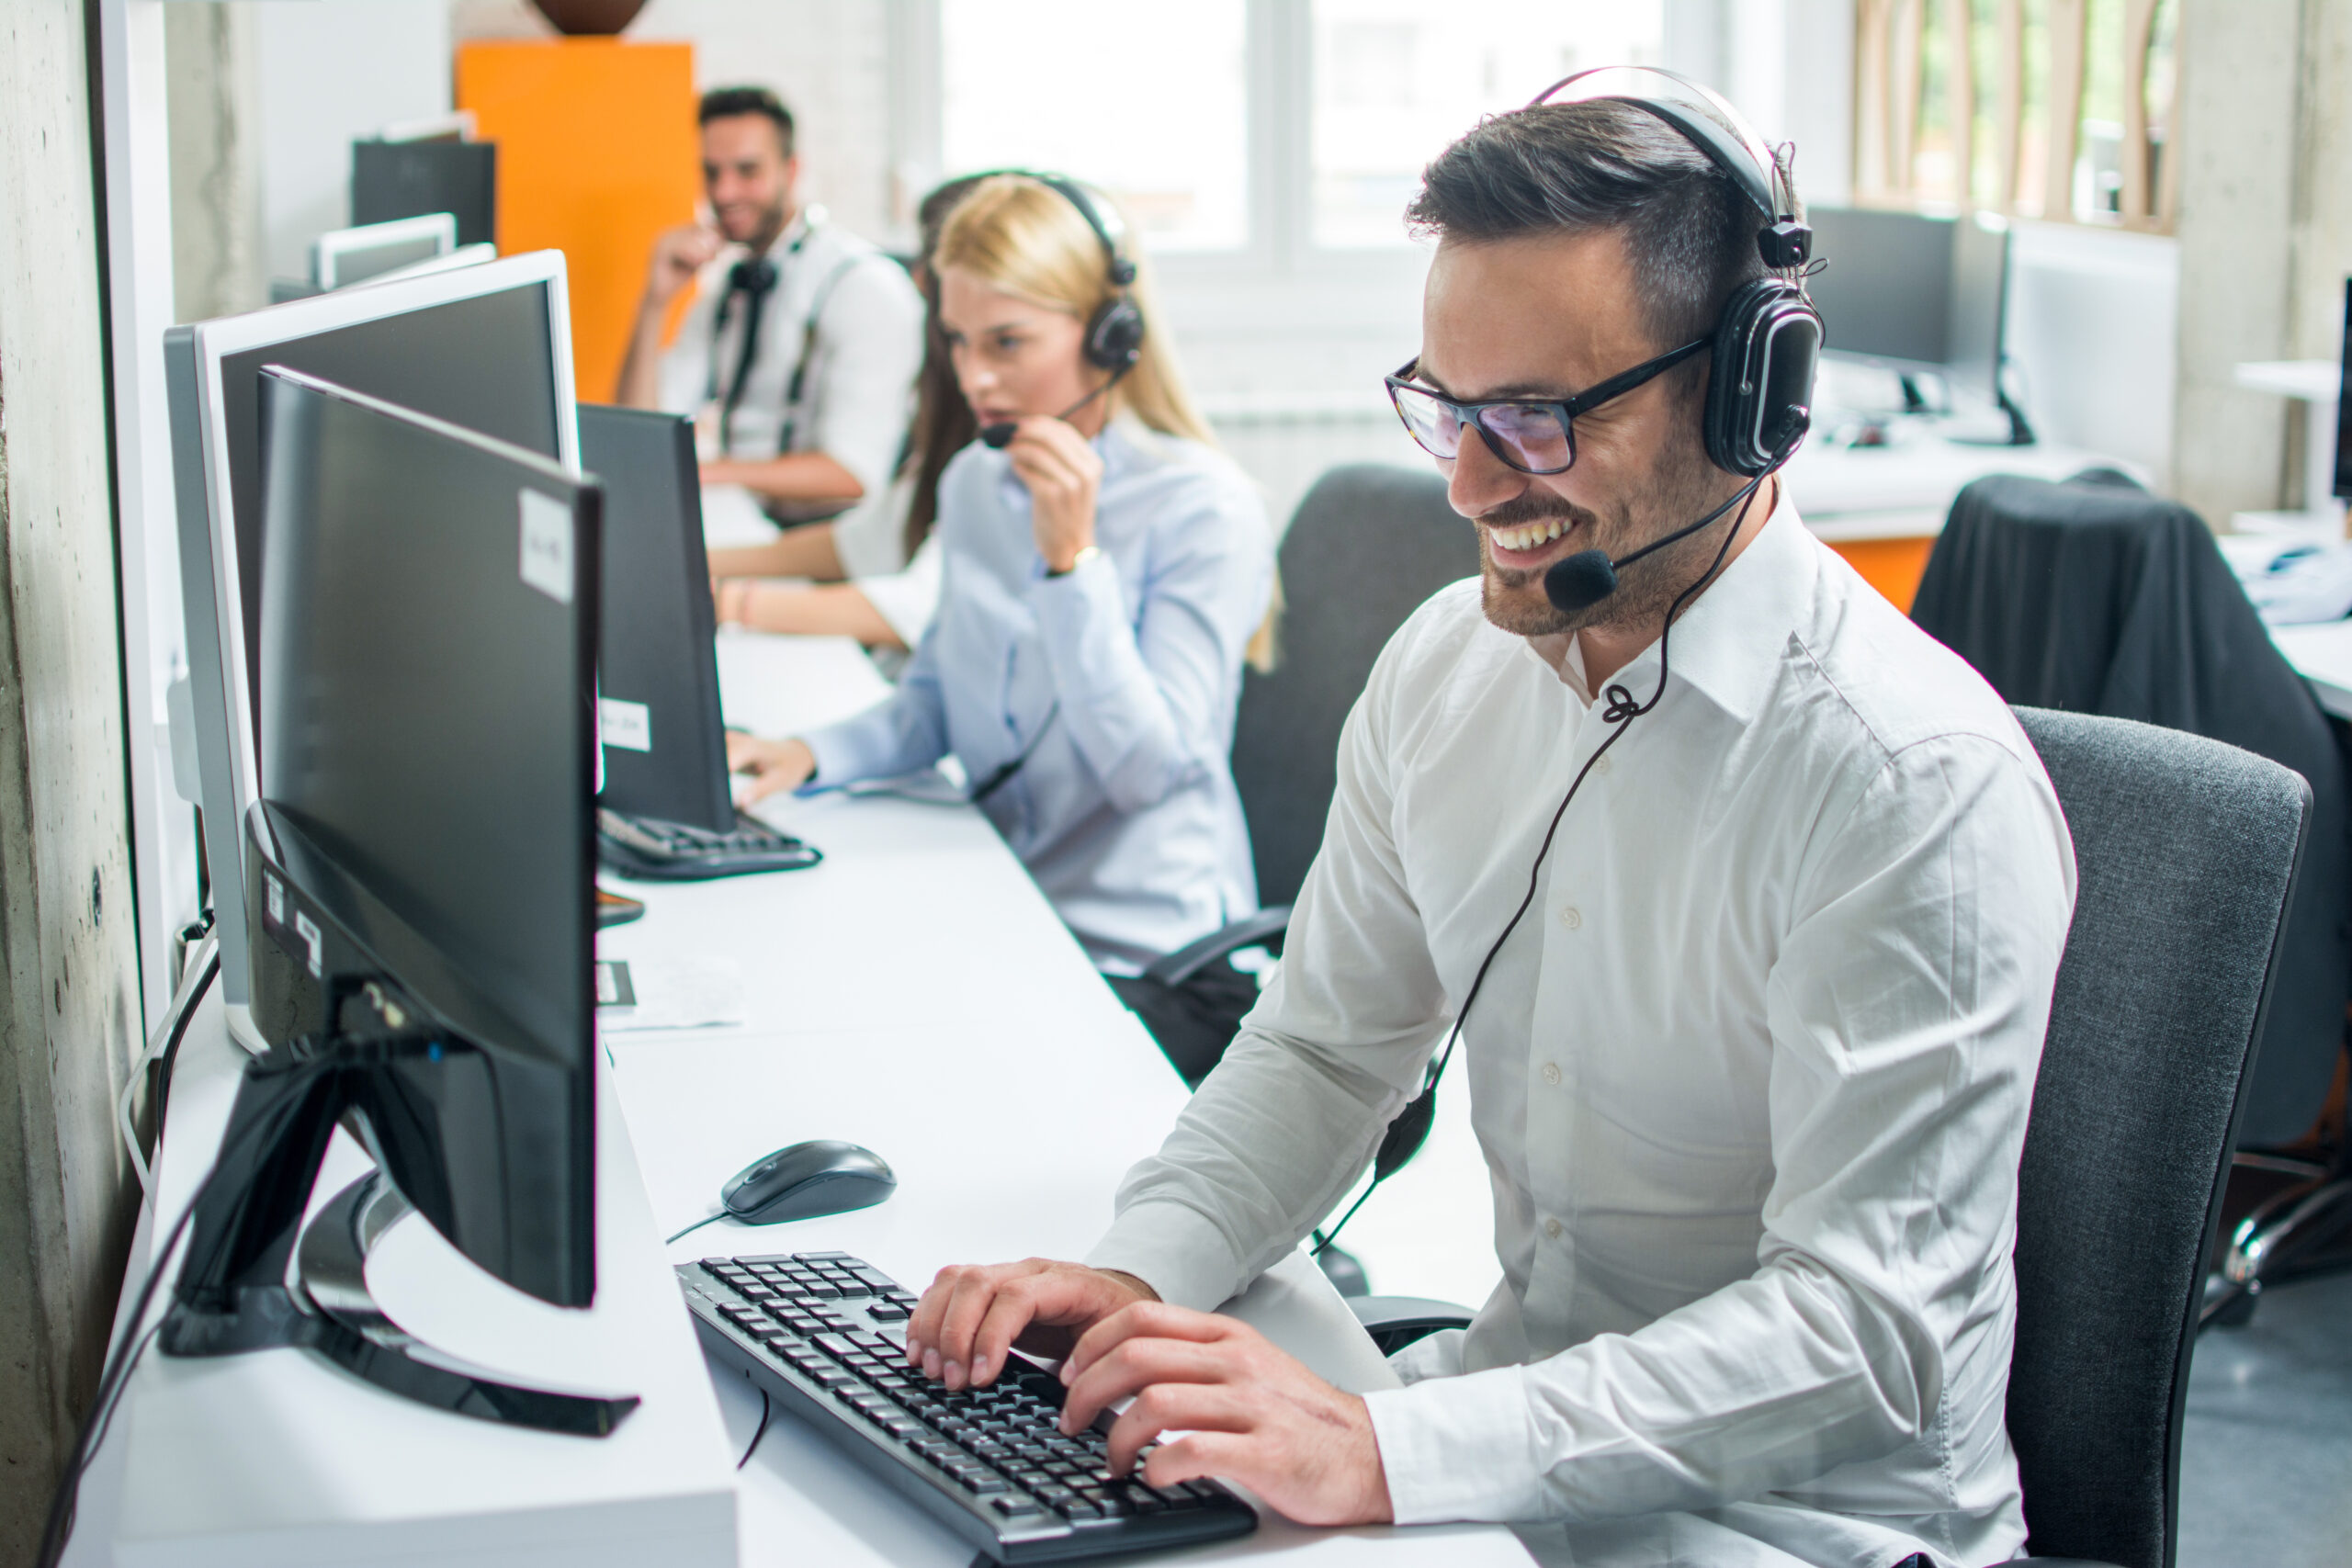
794 476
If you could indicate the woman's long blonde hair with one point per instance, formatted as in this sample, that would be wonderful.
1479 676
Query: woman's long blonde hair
1030 240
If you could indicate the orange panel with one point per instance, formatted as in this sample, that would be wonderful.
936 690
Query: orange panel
598 153
1892 566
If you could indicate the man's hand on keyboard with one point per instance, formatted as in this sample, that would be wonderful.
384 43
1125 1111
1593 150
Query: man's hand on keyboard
974 1315
1246 1412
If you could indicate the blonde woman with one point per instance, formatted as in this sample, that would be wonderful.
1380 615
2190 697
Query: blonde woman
1106 571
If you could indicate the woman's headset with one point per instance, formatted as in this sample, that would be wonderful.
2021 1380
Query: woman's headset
1767 339
1114 339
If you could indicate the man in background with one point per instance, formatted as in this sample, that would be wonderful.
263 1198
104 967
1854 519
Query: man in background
798 357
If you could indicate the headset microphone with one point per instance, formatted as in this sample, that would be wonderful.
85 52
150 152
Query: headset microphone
1585 578
1000 437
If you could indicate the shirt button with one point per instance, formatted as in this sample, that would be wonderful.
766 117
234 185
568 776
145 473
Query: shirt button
1552 1229
1600 763
1569 918
1552 1074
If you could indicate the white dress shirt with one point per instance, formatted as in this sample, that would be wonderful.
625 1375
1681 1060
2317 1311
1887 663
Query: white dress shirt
1751 1077
858 390
1117 682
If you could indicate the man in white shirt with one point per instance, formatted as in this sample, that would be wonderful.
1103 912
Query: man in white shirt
1750 1074
798 353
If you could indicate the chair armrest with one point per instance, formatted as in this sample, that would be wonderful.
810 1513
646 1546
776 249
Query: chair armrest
1193 957
1395 1322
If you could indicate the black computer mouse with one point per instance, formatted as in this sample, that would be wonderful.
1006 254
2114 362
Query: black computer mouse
824 1175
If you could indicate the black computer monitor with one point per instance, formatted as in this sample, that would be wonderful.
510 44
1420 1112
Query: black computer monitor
1887 293
665 743
488 347
401 179
428 741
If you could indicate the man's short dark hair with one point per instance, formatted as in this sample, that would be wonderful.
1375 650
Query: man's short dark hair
1581 167
730 103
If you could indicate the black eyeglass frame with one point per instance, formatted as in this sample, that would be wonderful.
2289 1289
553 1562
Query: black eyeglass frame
1565 409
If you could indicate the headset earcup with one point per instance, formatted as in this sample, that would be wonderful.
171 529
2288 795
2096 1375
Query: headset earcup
1760 389
1114 337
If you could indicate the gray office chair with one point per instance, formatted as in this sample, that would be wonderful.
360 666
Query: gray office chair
2187 851
1367 545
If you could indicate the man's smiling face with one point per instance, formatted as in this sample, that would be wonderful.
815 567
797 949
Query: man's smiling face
1548 316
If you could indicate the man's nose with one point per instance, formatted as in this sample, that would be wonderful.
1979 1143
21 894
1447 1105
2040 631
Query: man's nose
1480 481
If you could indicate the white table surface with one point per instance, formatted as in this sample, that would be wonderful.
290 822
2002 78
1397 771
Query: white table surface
1904 489
913 993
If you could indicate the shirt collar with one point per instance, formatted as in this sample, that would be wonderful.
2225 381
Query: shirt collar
1728 644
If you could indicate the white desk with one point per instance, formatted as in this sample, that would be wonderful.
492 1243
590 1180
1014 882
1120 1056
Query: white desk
914 993
1904 489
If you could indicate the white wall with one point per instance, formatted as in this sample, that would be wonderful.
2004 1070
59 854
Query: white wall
330 71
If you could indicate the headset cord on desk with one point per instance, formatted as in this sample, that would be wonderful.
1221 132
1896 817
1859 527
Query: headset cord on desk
1405 1134
757 1432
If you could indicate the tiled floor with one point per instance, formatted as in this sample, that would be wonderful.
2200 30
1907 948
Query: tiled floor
2266 1462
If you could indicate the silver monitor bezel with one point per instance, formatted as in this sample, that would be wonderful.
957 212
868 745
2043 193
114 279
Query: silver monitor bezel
330 247
212 342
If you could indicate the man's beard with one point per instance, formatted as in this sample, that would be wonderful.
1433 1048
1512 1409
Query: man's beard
1679 492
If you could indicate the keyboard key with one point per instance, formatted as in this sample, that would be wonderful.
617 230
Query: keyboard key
1014 1505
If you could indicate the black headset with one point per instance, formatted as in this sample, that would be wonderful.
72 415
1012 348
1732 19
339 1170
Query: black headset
1767 339
1114 332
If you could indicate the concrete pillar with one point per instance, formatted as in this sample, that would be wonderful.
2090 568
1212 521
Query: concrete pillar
68 954
215 115
2239 87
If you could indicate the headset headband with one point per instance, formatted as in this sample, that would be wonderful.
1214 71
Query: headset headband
1724 137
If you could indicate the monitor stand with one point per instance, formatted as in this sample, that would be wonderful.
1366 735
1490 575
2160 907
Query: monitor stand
233 1294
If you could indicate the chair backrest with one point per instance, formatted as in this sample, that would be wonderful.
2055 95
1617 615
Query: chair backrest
2101 598
1367 545
2187 852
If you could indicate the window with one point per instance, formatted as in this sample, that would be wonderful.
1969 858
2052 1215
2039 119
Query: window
1396 80
1146 103
2045 108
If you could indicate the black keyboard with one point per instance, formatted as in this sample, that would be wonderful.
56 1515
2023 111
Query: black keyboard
672 851
824 1335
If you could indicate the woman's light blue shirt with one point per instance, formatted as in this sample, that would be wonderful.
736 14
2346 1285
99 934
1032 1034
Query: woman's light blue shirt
1124 674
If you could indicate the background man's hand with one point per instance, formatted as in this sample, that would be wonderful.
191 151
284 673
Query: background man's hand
1247 1412
678 254
772 765
973 1315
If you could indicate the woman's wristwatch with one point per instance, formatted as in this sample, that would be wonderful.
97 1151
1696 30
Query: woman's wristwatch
1080 559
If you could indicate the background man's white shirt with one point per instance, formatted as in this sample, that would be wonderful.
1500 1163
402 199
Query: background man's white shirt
858 393
1751 1078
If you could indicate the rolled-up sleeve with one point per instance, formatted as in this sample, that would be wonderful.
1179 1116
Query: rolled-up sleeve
1146 693
1906 1011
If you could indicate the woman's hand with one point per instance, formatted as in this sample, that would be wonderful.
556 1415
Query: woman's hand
1063 474
771 765
731 597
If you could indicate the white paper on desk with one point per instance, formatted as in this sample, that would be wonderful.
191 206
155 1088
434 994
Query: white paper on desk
679 993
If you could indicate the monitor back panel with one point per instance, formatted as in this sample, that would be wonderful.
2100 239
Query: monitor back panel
666 747
401 179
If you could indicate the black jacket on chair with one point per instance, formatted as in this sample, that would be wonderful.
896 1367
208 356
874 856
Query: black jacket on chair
2099 598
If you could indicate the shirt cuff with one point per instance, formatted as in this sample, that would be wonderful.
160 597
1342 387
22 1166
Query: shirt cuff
1460 1448
855 749
1175 1249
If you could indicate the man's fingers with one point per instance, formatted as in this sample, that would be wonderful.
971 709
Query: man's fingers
974 1292
1014 1308
1140 1364
1176 1407
1200 1455
1154 1320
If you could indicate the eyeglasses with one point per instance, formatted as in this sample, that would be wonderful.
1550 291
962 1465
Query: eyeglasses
1535 437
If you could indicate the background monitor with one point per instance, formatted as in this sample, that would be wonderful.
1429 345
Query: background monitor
2343 486
402 178
665 743
341 257
429 667
486 347
1887 292
1979 282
